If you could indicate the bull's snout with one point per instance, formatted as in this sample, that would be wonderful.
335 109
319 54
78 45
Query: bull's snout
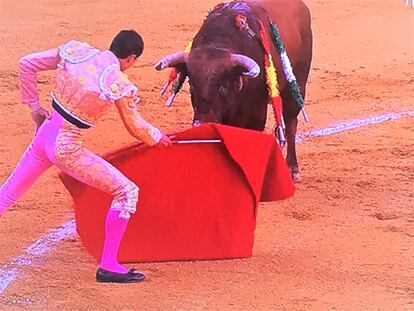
210 117
197 122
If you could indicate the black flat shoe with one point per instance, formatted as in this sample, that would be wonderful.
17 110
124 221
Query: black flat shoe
105 276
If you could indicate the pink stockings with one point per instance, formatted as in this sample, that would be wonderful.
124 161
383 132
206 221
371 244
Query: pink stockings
59 143
114 230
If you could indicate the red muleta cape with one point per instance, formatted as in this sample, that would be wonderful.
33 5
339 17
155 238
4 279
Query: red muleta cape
197 201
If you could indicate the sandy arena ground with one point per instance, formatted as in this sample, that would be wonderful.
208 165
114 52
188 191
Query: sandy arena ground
343 242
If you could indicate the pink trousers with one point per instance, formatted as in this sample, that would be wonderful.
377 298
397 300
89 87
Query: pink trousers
59 143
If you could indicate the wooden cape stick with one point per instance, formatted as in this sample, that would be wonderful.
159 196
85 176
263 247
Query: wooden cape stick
198 141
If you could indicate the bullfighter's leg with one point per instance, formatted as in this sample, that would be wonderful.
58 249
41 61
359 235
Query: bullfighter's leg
31 165
67 153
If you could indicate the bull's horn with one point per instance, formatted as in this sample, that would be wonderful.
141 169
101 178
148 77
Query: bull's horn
171 60
249 64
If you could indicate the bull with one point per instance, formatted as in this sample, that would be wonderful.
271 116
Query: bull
225 66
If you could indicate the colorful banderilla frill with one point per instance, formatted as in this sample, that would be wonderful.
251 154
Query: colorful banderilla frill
287 69
273 87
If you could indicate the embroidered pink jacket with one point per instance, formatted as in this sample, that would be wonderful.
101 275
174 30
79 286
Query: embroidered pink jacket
88 81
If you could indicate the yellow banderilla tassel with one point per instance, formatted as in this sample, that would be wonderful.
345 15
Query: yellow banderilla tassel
188 47
271 78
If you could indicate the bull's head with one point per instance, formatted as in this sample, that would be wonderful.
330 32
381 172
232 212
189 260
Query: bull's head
216 77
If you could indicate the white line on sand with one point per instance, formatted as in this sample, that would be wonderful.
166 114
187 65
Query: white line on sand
353 124
33 255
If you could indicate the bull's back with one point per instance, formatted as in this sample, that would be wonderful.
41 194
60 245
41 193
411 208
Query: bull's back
288 14
293 20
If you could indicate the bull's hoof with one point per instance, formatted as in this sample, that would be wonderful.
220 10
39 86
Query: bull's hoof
296 177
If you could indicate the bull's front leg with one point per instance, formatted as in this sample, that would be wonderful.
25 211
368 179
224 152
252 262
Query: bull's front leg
291 159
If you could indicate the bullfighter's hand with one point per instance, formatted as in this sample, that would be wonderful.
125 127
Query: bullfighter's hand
39 116
165 141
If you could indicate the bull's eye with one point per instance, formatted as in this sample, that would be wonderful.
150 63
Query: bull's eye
223 90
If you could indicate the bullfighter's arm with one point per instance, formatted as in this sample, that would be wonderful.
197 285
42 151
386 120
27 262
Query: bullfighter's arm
135 124
29 65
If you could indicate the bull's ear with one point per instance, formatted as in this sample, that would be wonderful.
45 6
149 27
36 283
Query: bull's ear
171 60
